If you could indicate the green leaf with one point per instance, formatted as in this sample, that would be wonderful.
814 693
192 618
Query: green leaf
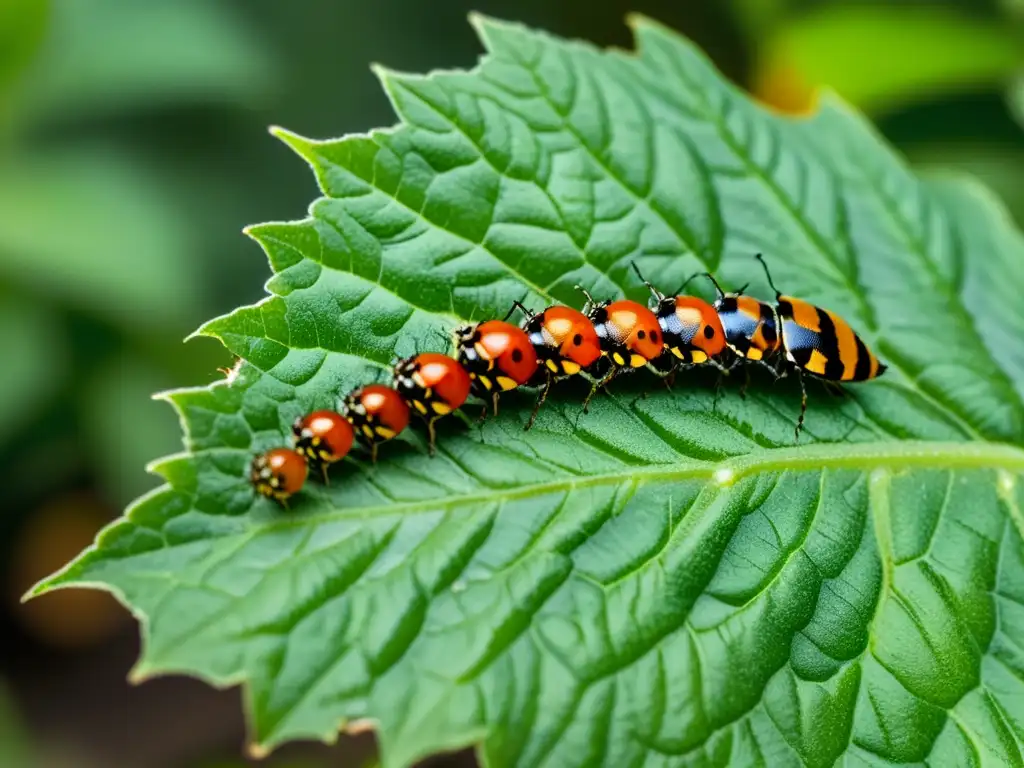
881 57
658 582
105 57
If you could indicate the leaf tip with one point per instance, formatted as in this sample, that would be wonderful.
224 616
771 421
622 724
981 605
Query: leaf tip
302 146
41 588
359 726
257 751
636 20
385 75
489 28
57 580
478 21
138 675
197 333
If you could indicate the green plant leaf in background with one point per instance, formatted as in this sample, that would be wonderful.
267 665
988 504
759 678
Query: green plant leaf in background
92 229
1015 96
15 745
657 582
33 345
22 24
105 57
882 56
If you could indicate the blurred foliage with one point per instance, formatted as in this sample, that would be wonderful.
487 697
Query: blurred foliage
108 57
1016 98
133 149
22 24
100 261
882 57
15 746
943 79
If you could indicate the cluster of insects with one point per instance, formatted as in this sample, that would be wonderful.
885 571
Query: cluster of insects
605 340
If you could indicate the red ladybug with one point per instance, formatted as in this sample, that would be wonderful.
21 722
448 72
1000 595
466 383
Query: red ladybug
629 334
377 413
433 385
497 356
278 474
323 438
565 342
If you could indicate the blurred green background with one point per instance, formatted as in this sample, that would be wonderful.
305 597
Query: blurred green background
133 149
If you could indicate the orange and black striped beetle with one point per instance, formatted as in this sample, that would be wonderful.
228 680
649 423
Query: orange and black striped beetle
498 357
819 343
433 385
629 335
810 340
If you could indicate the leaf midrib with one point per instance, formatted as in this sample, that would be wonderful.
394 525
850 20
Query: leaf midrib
725 473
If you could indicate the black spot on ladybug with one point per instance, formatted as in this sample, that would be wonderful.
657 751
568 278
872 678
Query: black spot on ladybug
577 339
641 334
517 355
654 336
709 332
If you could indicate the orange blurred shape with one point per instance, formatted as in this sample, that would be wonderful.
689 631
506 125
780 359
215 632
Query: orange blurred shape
53 535
784 88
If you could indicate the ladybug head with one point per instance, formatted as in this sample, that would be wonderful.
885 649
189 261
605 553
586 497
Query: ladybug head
464 334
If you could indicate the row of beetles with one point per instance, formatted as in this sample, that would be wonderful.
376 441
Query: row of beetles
605 340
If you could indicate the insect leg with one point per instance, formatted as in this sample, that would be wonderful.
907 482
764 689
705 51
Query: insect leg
598 385
803 403
540 401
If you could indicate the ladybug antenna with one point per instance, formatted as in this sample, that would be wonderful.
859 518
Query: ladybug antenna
518 305
687 282
714 282
658 295
768 274
585 292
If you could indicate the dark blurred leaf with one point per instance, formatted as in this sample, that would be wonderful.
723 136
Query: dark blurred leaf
1015 98
110 56
880 56
94 228
121 421
15 746
658 580
758 18
22 23
33 351
1014 8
